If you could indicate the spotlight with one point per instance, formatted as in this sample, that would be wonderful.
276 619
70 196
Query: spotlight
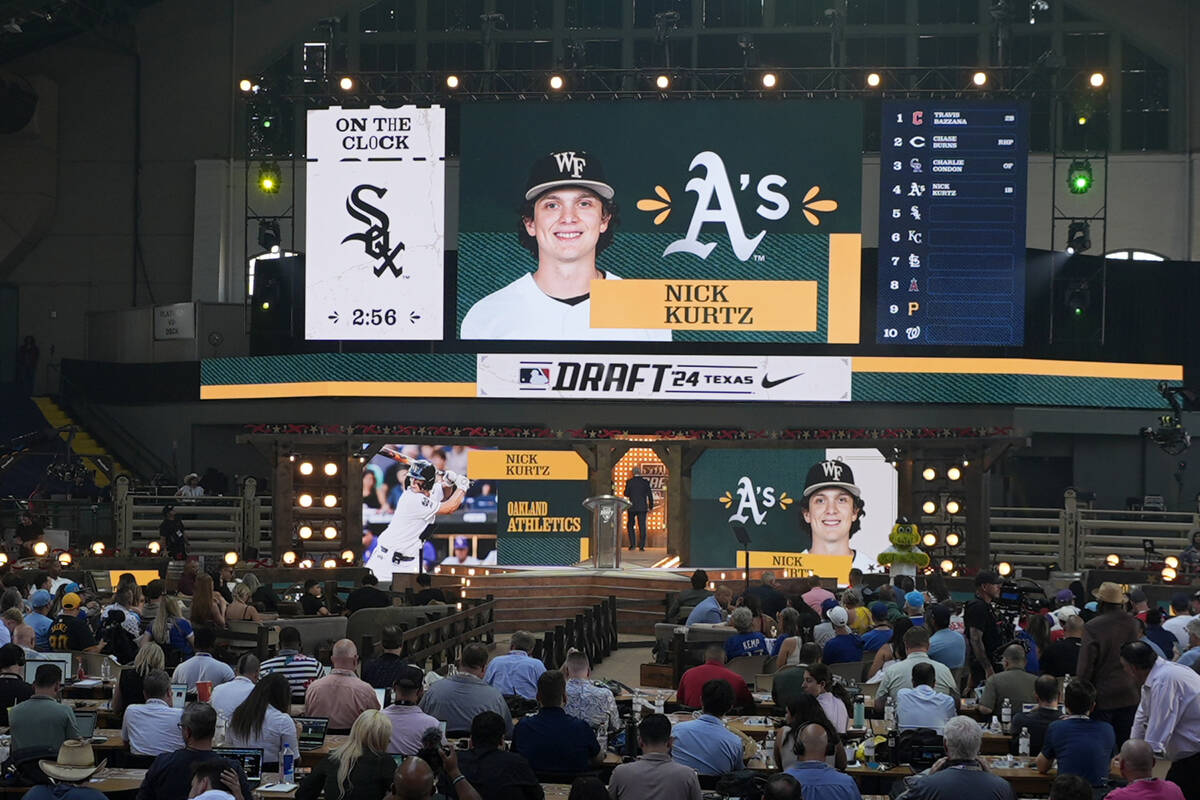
769 80
557 82
1172 562
66 558
953 506
40 549
245 84
269 177
3 558
330 500
1112 560
1079 176
305 500
663 82
953 539
930 539
306 564
231 558
292 458
1096 80
929 507
1082 119
306 468
979 78
1004 568
346 83
1079 237
154 547
1078 298
97 548
268 234
947 565
929 473
874 79
265 306
954 473
1169 574
289 557
329 563
451 81
348 556
331 468
305 532
330 532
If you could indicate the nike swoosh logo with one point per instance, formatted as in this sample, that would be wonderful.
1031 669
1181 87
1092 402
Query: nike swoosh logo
767 383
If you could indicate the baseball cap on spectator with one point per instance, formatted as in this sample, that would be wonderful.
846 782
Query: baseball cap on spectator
461 543
986 577
1137 596
409 677
1065 596
914 599
879 610
1179 601
828 603
40 598
72 587
940 615
71 600
838 616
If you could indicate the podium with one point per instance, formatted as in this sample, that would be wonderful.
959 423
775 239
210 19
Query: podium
606 529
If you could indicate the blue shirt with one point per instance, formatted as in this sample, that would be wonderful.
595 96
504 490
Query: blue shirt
515 673
819 781
924 707
1031 654
843 649
707 746
707 610
875 639
41 629
948 647
1082 746
746 644
554 741
1189 658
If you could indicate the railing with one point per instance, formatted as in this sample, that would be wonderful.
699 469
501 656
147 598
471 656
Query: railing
594 633
1034 537
441 641
214 525
126 447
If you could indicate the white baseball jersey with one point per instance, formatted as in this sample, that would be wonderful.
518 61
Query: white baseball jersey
399 546
521 310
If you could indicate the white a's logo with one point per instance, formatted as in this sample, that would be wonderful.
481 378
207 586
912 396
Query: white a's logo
832 469
716 182
570 164
748 502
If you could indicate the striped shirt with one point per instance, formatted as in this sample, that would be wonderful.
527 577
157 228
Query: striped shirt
300 670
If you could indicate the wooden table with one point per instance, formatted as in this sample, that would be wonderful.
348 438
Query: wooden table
994 744
101 691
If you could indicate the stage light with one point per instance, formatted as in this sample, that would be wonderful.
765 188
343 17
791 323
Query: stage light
330 500
231 558
269 177
268 235
1169 574
966 463
292 458
331 468
306 468
557 82
66 558
3 558
769 80
929 507
346 83
305 500
265 306
1079 237
947 565
329 563
245 84
97 548
306 564
953 506
1172 562
929 473
874 79
154 547
979 78
330 532
1112 560
1082 119
289 558
954 473
1096 80
451 81
929 540
663 82
1004 568
1079 176
348 556
40 549
470 570
953 539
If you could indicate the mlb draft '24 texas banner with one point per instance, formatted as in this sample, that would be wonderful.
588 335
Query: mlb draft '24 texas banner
695 222
375 223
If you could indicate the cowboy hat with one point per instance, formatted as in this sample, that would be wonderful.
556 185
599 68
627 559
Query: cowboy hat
1109 592
75 763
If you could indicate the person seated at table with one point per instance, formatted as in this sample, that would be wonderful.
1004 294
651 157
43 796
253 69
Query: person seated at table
38 618
689 598
1037 720
341 695
1081 745
881 629
1071 787
654 775
923 706
69 631
593 704
241 608
130 686
208 607
1012 683
151 599
1155 632
23 637
261 594
262 720
782 787
312 604
202 666
516 672
833 697
369 595
359 768
298 668
823 631
152 727
381 671
860 617
705 744
788 683
123 601
899 674
427 594
229 695
891 650
408 721
42 721
818 780
961 773
170 776
13 688
499 773
945 646
1136 764
415 779
802 711
74 767
457 699
692 682
170 630
746 642
209 780
1062 657
552 740
711 610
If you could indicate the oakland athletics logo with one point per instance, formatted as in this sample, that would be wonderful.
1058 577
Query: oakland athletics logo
376 238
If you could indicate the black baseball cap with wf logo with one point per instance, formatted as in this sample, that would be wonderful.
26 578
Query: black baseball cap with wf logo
830 475
567 168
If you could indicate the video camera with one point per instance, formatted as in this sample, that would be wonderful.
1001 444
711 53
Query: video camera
1017 599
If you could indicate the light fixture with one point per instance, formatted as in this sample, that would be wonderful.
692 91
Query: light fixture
331 468
306 468
97 548
154 547
330 500
292 457
1079 176
268 234
346 83
305 500
305 531
663 82
348 556
306 564
947 565
929 506
769 80
40 549
451 81
979 78
289 557
329 563
557 82
1112 560
245 84
66 558
874 79
954 473
1169 574
1096 79
1172 562
953 539
930 539
330 532
231 558
1004 568
266 306
3 558
1079 237
269 177
929 473
1081 119
953 506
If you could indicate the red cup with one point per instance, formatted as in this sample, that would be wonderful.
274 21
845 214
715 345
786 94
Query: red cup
203 691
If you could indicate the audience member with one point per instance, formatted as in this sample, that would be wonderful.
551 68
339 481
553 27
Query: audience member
1100 660
1037 720
130 686
516 672
312 601
42 721
428 594
712 610
881 629
69 631
299 669
23 637
415 780
823 631
208 607
654 776
1191 656
782 786
914 607
860 617
262 720
75 765
892 650
1138 603
766 591
499 773
813 594
1061 658
231 694
960 774
341 695
1136 764
705 744
1156 633
152 727
1177 624
899 674
746 642
817 779
459 698
13 688
1168 716
1012 683
844 647
945 646
170 776
241 608
691 684
552 740
262 594
151 598
202 666
786 649
409 723
38 618
982 627
1071 787
1082 745
789 748
922 706
818 681
382 670
689 598
593 704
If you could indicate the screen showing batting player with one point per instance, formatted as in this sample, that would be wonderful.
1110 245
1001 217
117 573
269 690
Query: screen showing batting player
831 510
567 219
399 547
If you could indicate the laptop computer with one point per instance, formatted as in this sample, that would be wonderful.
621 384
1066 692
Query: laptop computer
312 732
62 660
85 723
251 759
383 696
179 695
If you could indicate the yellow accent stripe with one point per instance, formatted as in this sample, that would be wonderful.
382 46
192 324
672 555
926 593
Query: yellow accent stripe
845 288
1017 366
255 391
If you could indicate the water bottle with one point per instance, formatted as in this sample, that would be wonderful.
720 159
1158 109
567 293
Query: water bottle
1023 743
1062 689
769 748
860 712
287 764
1006 715
106 670
658 703
889 713
869 749
222 725
631 735
893 743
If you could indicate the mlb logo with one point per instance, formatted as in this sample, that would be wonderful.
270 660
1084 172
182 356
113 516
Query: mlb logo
535 377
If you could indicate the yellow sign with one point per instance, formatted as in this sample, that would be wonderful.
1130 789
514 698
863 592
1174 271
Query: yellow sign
799 563
526 465
705 305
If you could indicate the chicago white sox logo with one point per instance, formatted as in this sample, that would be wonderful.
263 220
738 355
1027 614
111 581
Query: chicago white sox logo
570 164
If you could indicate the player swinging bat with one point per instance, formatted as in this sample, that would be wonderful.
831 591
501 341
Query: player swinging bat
399 546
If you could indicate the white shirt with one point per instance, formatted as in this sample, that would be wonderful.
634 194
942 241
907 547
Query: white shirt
214 794
1178 626
131 623
415 511
1168 716
202 667
522 310
230 695
152 728
278 728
